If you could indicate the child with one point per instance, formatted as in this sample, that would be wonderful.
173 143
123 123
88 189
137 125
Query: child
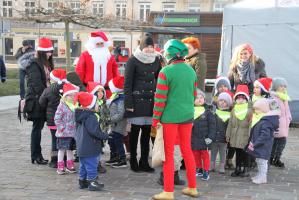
222 115
118 122
280 94
221 84
88 136
265 122
98 90
66 127
203 133
50 99
237 133
261 89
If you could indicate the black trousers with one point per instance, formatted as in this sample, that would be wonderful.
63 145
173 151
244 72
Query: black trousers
230 152
242 158
53 140
278 147
144 141
37 126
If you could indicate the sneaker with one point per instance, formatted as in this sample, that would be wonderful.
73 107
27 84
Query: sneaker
120 164
60 168
205 176
199 172
93 185
112 161
70 167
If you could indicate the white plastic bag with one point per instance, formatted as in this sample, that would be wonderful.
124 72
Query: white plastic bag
158 155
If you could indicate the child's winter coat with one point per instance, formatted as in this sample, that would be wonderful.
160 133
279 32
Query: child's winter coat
117 111
221 119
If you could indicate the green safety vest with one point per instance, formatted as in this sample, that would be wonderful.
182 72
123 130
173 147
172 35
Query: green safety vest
223 115
256 118
241 110
198 111
283 96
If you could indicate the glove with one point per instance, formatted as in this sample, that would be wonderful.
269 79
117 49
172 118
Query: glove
155 122
3 80
250 146
208 141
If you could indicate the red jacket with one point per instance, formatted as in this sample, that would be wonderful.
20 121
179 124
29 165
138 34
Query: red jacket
85 68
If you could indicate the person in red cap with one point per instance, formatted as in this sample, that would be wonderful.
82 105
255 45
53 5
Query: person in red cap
261 89
237 133
66 127
88 136
96 63
50 99
38 78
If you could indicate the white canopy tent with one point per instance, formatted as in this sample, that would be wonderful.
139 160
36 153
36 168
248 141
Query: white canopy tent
272 28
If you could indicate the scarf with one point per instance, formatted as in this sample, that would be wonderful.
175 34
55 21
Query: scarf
198 111
223 115
71 105
246 72
145 58
241 110
256 118
283 96
255 98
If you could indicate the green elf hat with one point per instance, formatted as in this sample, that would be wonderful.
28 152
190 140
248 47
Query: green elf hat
174 48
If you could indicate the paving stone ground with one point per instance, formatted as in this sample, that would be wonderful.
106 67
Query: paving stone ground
19 179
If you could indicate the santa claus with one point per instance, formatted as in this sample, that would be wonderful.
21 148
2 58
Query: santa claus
96 64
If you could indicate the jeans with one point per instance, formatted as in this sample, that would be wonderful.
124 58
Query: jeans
53 140
218 147
22 75
278 147
116 144
88 168
37 126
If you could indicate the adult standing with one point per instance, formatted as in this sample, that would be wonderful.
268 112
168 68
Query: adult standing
140 82
174 109
24 55
245 67
96 63
38 78
197 60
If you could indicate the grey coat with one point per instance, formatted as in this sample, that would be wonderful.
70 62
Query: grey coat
117 111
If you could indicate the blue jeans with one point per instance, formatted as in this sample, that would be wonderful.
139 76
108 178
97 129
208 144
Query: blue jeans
116 144
88 168
22 75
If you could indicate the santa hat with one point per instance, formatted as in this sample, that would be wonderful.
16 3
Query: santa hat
264 83
99 36
222 80
117 84
86 99
226 96
45 44
242 90
92 87
69 88
58 75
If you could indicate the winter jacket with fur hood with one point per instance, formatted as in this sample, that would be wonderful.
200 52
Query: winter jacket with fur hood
25 58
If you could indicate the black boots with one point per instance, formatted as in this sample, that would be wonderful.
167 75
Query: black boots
134 164
83 184
236 172
40 160
94 185
145 167
53 162
177 180
277 163
245 172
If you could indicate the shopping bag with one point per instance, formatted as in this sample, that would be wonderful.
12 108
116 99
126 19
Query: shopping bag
158 155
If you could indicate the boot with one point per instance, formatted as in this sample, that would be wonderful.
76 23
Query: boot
164 196
144 166
161 179
83 184
260 180
60 168
70 167
53 162
192 192
236 172
245 172
271 161
93 185
222 169
229 164
277 163
134 165
177 180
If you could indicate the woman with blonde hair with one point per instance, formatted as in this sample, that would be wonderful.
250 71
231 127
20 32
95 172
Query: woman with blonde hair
245 67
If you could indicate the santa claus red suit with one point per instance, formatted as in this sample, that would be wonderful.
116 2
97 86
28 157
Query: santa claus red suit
96 64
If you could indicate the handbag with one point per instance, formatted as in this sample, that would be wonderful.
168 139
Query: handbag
158 154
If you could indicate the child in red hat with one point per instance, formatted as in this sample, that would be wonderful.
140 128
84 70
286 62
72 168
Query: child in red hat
66 127
237 133
261 89
88 136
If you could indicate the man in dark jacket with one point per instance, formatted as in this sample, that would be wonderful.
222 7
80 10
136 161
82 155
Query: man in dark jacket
24 55
2 70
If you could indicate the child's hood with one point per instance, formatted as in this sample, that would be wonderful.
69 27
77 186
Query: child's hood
81 115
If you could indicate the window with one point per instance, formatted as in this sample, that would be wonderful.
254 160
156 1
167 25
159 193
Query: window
75 5
98 9
30 7
168 7
55 45
144 12
218 6
194 7
75 48
9 46
121 10
52 5
7 8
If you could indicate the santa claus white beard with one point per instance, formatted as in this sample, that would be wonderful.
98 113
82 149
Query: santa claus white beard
100 57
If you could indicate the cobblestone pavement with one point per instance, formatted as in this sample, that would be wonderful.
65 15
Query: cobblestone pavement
19 179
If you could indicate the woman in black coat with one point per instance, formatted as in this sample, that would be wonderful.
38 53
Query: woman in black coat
38 78
140 83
